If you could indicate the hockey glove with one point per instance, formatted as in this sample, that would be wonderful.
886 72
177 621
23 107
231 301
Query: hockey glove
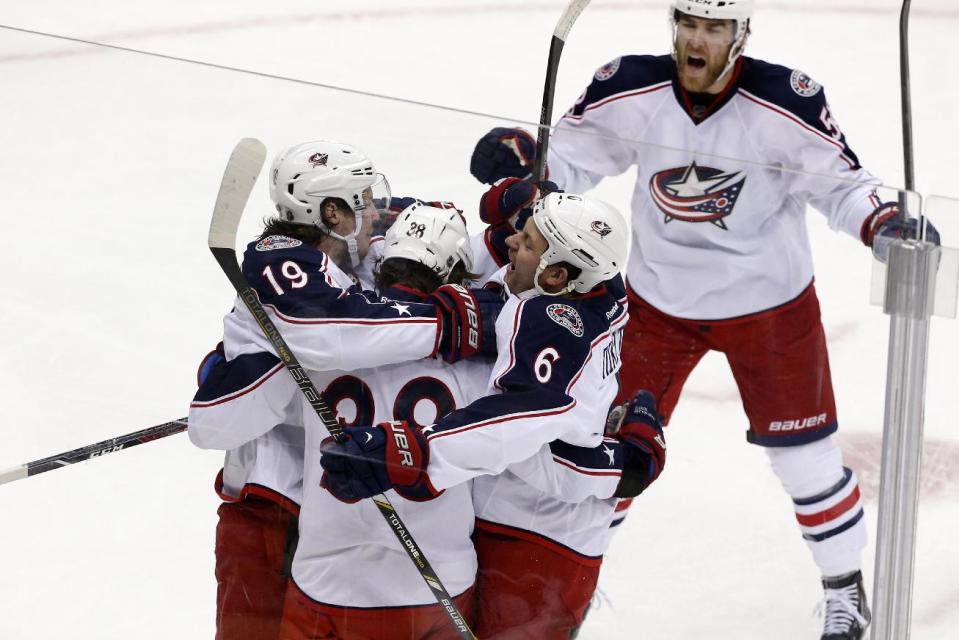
209 363
503 153
641 431
391 455
885 224
467 321
511 200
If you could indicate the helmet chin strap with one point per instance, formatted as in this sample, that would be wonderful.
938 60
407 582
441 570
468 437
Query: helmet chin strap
539 271
350 240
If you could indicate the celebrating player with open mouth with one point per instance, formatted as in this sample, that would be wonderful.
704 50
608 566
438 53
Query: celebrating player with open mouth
720 254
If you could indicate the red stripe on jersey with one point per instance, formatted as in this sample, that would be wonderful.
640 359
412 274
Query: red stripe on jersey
619 321
584 471
241 392
620 96
805 126
290 320
833 512
497 420
622 505
512 341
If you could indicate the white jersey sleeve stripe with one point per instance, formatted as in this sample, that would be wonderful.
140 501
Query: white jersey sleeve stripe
242 392
789 116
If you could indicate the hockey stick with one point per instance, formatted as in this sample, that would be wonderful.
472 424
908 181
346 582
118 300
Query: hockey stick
94 450
908 166
238 178
565 23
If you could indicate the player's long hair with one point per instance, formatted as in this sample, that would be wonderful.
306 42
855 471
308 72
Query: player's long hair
416 275
309 233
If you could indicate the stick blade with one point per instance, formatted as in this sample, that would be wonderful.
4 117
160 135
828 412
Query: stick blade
238 179
569 16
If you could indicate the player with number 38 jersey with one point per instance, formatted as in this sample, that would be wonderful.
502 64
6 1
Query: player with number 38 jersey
554 379
304 268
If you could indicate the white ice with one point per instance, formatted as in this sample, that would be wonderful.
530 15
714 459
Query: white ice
109 163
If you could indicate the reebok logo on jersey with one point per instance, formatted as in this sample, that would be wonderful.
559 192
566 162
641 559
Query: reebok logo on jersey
803 84
271 243
608 70
696 194
566 316
796 425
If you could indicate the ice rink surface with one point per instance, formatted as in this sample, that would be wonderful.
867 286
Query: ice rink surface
109 164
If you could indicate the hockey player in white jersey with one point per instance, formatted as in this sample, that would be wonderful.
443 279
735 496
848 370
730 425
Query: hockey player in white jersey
304 268
720 255
555 376
350 578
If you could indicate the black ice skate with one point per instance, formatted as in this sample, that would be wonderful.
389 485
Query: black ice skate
844 608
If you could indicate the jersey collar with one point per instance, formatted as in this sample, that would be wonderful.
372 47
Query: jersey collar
698 116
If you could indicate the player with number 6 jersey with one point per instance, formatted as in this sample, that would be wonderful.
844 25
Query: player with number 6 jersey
729 152
554 379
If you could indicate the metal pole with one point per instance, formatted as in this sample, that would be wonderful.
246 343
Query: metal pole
910 288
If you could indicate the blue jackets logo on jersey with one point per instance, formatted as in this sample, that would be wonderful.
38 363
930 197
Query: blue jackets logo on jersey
566 316
803 84
696 194
607 71
271 243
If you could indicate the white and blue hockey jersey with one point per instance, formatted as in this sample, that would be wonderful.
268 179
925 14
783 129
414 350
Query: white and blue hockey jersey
554 380
245 409
718 210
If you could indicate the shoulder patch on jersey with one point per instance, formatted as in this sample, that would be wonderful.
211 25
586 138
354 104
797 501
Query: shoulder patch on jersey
271 243
803 84
566 316
607 71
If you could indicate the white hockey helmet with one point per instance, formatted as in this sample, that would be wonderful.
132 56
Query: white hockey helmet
433 236
585 232
740 11
304 175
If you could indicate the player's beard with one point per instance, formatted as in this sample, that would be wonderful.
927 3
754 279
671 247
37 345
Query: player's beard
704 77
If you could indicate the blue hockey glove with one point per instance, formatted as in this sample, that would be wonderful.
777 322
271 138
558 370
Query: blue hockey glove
511 200
641 431
467 321
885 224
209 362
503 153
391 455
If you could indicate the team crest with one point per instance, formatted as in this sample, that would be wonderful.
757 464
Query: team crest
600 227
318 159
566 316
607 71
696 194
272 243
803 84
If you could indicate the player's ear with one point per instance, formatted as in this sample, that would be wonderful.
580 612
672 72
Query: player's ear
554 278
